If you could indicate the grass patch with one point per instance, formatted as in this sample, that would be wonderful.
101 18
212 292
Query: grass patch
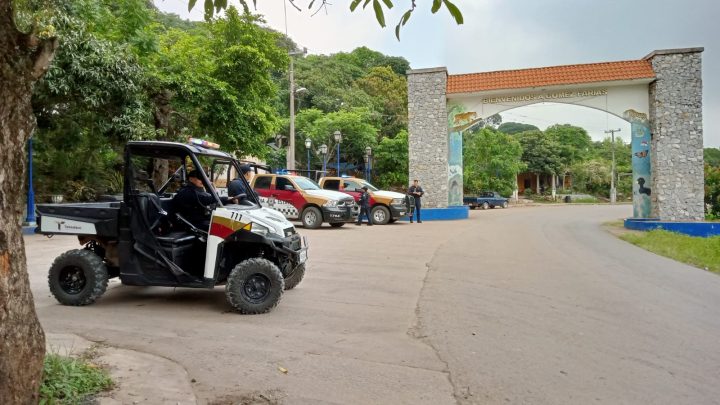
68 380
699 252
585 200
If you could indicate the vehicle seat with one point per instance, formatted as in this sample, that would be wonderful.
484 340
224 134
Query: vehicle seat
155 215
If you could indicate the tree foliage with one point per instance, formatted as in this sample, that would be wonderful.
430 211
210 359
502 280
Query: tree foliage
712 156
541 153
512 128
390 167
491 161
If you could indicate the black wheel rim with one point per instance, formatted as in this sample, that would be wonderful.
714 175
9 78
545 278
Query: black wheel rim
72 280
256 288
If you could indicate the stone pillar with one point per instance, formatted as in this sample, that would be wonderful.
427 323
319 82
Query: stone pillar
428 133
677 136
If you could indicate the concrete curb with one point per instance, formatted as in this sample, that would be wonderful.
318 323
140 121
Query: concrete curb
139 378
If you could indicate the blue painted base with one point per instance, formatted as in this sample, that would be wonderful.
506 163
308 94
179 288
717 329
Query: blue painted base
28 230
443 214
702 229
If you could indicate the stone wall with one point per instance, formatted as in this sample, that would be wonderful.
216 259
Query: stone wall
677 135
428 134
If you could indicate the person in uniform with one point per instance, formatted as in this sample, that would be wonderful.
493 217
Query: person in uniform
193 202
416 192
237 186
364 206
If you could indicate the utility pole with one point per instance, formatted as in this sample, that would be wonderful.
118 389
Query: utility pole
613 192
290 162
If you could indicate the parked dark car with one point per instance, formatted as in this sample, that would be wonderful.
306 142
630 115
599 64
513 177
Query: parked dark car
486 199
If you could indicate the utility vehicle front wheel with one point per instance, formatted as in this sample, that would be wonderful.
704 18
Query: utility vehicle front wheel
254 286
295 278
78 277
485 205
505 204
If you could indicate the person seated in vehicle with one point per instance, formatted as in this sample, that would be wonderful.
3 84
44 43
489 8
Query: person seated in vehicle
194 204
237 186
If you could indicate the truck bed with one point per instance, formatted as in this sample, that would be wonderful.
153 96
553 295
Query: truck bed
99 219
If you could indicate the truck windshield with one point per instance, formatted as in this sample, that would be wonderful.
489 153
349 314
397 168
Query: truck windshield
369 186
306 184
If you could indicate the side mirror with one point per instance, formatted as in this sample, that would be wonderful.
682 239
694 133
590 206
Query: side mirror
289 187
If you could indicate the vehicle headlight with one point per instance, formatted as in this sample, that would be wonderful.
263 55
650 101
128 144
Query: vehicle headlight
260 229
331 203
398 201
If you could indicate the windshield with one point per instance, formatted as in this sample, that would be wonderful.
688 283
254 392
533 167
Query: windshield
369 186
306 184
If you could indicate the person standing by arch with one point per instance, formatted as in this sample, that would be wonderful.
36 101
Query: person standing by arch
416 192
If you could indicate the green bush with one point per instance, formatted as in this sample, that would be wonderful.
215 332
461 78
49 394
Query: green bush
69 380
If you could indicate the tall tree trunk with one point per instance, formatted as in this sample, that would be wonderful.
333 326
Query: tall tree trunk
23 60
162 114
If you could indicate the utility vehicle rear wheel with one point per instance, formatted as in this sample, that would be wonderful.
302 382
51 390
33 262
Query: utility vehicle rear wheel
254 286
295 278
312 218
78 277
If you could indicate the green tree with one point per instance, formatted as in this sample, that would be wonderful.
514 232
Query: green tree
354 124
389 92
390 162
712 190
512 128
712 156
491 161
574 142
540 152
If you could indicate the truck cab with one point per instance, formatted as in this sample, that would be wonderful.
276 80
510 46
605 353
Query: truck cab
300 198
385 206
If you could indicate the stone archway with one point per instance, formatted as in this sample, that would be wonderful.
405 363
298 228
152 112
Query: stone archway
660 95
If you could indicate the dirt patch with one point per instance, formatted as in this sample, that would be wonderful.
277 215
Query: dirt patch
272 397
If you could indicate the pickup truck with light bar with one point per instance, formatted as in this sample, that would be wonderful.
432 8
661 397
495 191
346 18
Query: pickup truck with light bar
385 206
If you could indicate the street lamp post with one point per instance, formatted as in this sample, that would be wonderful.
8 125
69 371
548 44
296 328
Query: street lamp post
368 162
30 218
323 152
308 145
613 192
290 163
338 139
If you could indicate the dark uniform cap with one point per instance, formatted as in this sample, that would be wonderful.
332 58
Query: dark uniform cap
245 168
365 188
194 173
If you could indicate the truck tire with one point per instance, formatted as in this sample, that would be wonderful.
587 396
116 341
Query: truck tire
295 278
337 224
311 218
380 215
254 286
485 205
78 277
505 204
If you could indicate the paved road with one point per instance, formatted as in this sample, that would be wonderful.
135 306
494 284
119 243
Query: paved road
525 305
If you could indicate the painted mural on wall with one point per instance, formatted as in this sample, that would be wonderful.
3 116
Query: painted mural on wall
642 170
458 121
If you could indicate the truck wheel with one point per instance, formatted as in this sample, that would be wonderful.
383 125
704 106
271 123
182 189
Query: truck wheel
295 278
254 286
485 205
505 204
337 224
78 277
311 218
380 215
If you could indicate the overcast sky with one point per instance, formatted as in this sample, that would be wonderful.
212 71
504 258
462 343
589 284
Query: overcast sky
516 34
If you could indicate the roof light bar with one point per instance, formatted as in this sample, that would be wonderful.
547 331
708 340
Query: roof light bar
203 143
